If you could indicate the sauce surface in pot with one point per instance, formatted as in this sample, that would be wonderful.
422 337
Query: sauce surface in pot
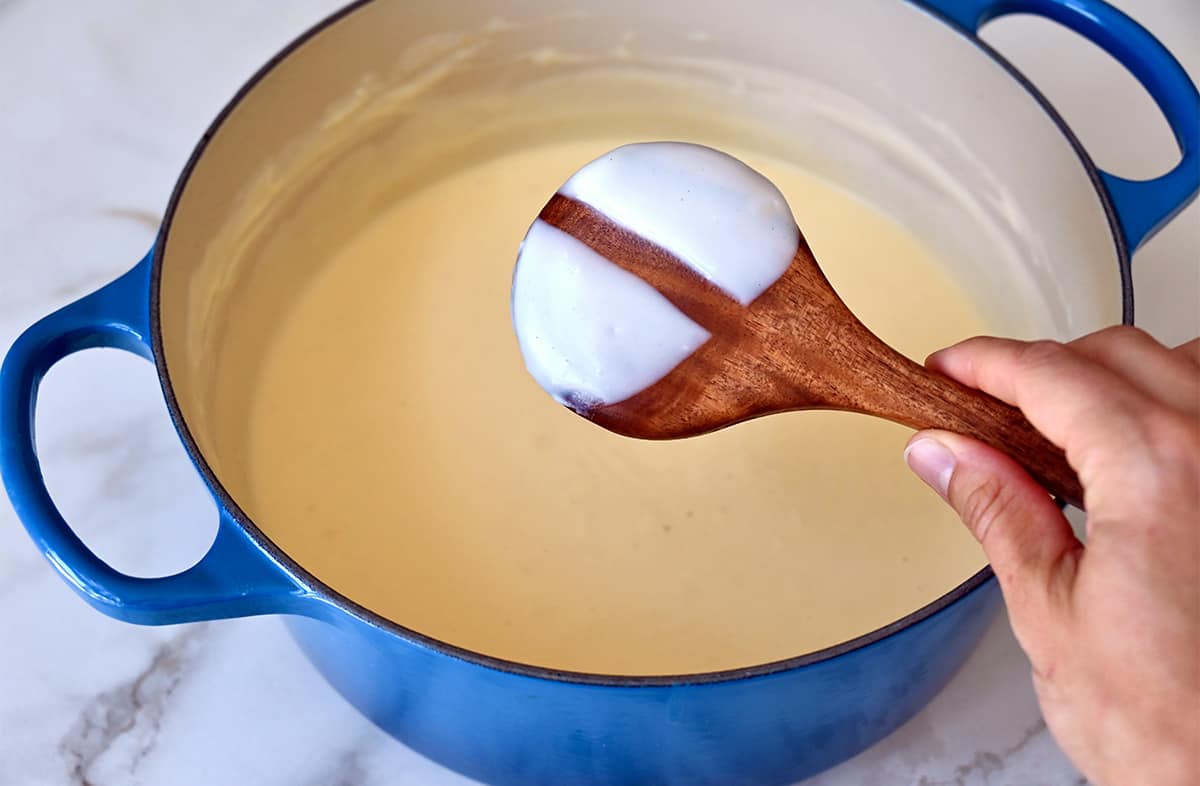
399 450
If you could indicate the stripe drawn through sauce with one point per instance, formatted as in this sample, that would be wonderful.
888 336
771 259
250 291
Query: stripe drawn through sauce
591 330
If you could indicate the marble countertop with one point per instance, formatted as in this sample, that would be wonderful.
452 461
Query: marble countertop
101 104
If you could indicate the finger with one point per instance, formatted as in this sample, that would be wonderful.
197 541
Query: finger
1152 368
1189 351
1026 538
1080 406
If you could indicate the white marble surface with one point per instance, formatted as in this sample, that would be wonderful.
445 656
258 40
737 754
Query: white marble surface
100 105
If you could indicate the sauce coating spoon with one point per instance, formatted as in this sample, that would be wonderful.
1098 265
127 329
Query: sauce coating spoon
665 291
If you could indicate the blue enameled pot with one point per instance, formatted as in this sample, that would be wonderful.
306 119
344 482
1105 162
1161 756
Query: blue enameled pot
1070 226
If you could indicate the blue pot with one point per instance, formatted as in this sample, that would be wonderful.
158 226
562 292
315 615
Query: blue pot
513 724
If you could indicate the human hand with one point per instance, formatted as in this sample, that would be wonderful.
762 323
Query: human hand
1112 629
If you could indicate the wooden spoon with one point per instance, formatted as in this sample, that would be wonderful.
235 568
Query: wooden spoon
796 346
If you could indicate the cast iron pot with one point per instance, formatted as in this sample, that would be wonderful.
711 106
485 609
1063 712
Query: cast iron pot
501 722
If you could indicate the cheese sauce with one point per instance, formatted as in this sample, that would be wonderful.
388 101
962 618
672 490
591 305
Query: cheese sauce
399 450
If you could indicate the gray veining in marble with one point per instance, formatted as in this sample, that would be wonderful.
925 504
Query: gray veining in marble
130 712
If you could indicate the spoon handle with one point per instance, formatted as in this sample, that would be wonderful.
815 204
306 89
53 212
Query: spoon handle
843 365
911 394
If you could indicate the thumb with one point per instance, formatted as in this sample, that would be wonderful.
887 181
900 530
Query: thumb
1025 536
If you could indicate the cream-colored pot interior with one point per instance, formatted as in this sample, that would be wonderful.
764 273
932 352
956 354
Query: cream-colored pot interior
874 96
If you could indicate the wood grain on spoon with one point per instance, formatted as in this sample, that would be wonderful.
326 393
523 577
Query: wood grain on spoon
796 346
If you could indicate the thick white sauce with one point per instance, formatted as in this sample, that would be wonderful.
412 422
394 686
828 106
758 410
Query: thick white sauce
592 333
726 221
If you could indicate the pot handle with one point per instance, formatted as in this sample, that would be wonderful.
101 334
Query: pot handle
1142 206
234 578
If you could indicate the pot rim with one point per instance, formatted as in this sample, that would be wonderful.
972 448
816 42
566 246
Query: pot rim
366 615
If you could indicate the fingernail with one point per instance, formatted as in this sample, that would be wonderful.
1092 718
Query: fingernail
932 462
